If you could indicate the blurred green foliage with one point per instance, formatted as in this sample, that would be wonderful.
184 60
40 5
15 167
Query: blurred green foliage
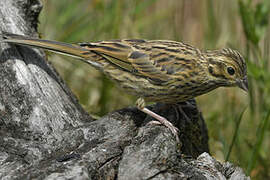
255 20
238 123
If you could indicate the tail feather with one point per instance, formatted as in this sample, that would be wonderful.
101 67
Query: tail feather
58 47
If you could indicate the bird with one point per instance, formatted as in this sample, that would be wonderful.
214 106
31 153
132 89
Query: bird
163 71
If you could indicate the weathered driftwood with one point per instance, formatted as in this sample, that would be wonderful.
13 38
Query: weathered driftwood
45 133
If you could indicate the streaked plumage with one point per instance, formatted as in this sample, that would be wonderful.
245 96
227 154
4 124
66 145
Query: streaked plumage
155 70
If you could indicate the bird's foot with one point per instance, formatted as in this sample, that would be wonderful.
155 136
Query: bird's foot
140 103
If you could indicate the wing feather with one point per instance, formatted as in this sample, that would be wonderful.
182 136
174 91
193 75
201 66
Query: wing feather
152 59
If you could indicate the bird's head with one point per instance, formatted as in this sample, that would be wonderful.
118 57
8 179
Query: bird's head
227 67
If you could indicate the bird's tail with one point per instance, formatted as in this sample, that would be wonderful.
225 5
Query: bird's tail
58 47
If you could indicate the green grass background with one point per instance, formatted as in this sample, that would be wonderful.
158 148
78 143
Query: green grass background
238 122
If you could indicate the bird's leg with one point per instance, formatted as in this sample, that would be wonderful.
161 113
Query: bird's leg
179 108
140 103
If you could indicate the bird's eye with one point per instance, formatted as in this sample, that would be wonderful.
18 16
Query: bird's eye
230 71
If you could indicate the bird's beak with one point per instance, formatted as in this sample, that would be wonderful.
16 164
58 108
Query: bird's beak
243 84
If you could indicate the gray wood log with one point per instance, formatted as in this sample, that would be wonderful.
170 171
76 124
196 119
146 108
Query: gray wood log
45 133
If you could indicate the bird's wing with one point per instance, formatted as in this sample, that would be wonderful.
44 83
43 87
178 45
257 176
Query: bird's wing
153 59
